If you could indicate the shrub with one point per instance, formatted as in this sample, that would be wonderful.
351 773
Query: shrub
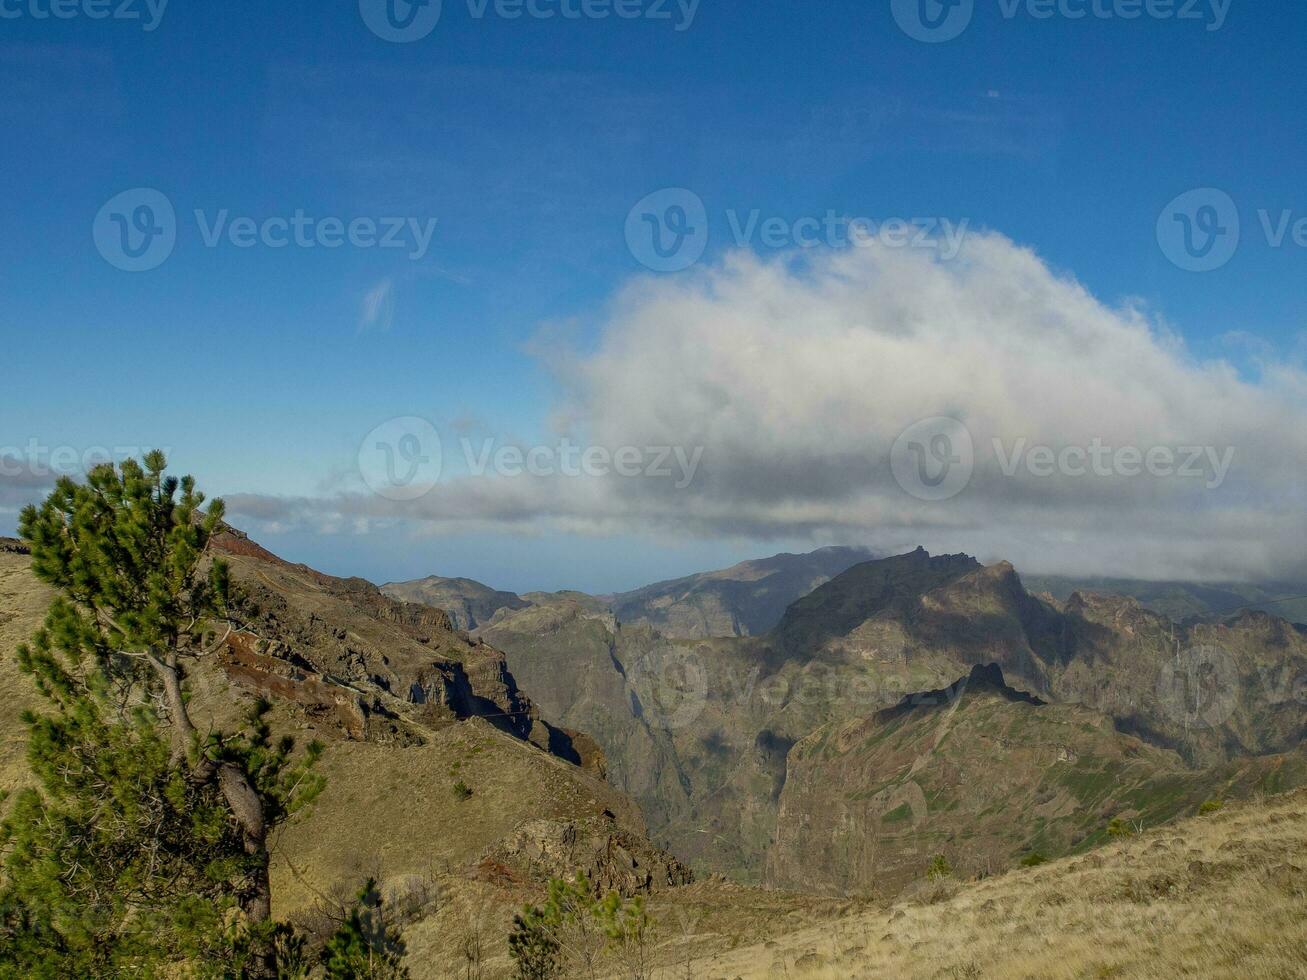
1033 859
573 933
462 791
939 868
367 944
1119 827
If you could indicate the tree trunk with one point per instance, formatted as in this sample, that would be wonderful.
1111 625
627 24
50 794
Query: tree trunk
242 799
170 673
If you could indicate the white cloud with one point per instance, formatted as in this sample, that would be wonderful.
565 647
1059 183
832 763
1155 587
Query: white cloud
796 374
378 308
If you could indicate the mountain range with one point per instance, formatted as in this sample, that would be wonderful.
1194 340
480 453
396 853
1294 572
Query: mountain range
738 748
756 750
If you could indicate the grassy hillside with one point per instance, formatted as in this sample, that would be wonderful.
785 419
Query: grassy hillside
984 776
429 785
1215 896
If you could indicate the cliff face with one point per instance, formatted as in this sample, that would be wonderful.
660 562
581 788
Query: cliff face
747 599
983 774
705 733
368 666
468 603
574 659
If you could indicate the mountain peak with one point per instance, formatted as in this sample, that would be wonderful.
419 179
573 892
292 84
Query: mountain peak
866 590
983 679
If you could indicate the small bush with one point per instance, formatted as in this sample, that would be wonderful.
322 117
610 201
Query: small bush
462 791
1210 806
367 944
1119 827
939 868
575 934
1033 860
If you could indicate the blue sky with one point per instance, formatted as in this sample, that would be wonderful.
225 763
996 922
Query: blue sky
529 141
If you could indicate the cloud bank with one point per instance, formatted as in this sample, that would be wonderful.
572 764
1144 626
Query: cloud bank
798 374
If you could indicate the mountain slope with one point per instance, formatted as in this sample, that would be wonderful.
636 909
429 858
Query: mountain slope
982 774
468 603
408 708
747 599
701 733
1183 600
744 600
1221 895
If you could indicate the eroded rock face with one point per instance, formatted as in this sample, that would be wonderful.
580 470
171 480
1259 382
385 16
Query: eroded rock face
468 603
612 859
714 782
747 599
368 666
982 773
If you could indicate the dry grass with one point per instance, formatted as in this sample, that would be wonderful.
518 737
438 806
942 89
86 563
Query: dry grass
23 602
1223 895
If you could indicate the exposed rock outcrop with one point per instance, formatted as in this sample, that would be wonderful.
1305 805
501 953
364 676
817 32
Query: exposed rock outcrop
612 859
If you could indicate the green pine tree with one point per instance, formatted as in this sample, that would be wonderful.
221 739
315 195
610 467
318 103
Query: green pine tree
366 946
144 844
574 933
